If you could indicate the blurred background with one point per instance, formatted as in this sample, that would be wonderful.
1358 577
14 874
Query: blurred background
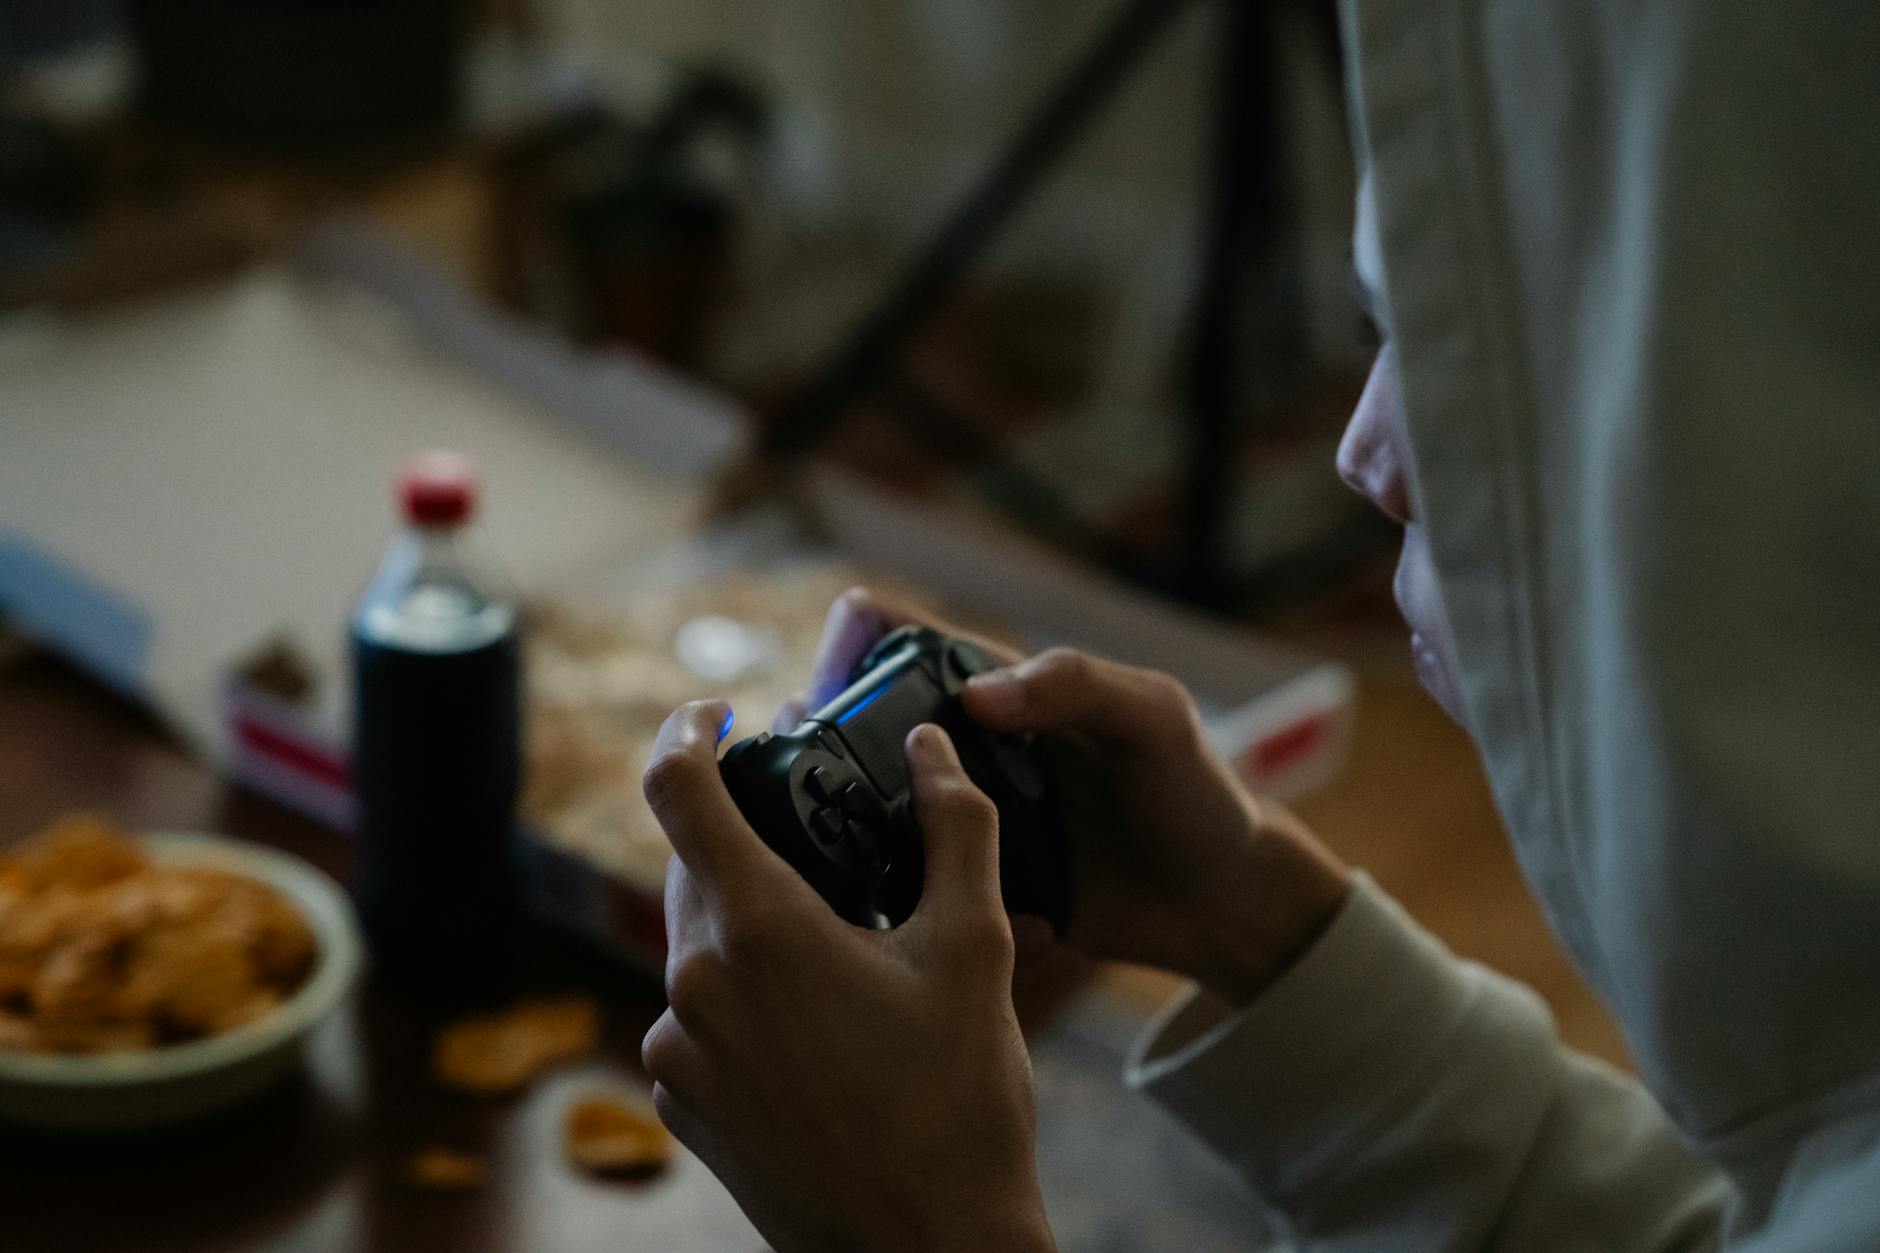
1037 310
1085 263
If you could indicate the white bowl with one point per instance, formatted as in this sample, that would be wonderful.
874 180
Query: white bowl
125 1091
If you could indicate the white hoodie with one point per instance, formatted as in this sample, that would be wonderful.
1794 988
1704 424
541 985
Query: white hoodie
1630 252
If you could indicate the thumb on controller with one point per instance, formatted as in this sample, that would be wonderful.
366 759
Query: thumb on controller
959 827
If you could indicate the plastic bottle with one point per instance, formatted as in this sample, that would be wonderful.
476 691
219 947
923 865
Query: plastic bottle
436 747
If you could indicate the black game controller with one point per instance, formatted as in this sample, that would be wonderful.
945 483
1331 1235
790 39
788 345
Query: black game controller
833 797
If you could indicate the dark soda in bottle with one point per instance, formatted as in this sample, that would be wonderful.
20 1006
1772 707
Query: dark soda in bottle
436 747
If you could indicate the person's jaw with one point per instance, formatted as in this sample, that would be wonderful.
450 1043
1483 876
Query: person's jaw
1419 600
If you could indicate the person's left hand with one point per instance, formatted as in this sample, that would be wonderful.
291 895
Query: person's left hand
854 1089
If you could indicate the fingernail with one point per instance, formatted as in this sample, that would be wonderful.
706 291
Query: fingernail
928 740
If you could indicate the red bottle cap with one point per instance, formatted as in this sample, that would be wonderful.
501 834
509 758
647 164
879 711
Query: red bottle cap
438 488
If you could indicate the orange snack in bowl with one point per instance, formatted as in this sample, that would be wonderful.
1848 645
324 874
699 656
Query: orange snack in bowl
92 1037
195 972
102 950
78 851
74 984
17 1034
284 946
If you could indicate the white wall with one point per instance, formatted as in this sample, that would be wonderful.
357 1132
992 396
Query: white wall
890 109
890 106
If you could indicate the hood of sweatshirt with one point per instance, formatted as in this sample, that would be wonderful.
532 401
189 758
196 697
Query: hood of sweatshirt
1630 259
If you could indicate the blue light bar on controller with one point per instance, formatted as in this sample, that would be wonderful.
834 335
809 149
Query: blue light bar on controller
864 703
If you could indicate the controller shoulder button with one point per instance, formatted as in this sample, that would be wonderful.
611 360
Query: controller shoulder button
745 746
969 659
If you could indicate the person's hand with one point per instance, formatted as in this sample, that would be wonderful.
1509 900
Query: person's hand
854 1089
1176 865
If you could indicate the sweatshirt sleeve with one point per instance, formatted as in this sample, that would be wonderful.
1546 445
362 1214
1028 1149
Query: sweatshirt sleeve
1385 1094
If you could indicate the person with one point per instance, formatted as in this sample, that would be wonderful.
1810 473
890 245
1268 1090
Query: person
1625 261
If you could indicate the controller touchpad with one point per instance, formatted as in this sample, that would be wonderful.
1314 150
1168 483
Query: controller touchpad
876 740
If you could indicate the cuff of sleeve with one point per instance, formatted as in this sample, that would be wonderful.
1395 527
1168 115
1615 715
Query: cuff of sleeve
1281 1087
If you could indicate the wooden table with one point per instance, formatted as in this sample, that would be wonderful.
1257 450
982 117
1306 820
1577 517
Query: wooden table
317 1164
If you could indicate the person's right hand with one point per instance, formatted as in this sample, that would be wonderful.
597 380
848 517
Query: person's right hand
1176 865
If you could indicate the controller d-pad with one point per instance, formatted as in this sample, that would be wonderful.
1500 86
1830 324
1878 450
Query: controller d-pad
820 783
826 826
856 801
